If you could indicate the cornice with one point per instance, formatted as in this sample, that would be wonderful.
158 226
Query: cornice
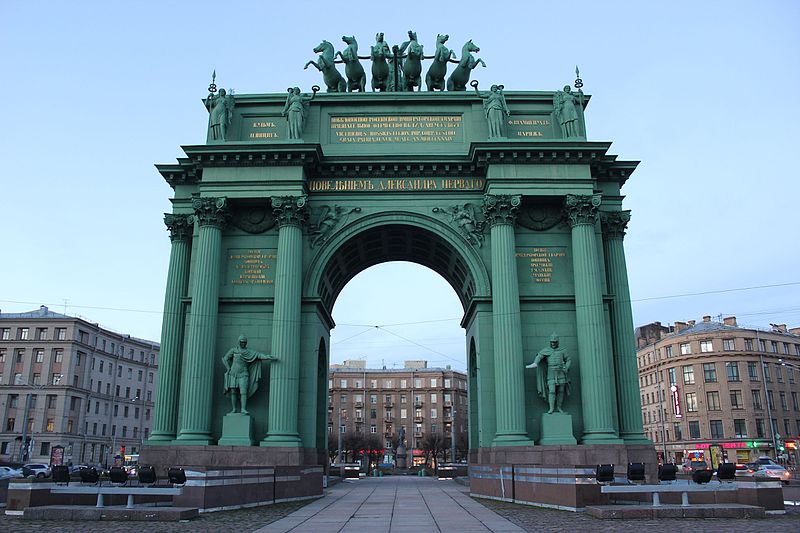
247 155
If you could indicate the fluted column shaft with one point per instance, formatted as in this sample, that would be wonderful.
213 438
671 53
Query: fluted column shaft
165 412
629 401
284 386
198 368
501 212
598 386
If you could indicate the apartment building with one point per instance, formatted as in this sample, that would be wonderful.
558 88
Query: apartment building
67 382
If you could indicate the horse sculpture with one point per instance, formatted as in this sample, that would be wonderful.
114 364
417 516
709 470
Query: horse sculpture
356 78
325 64
412 66
434 79
380 68
460 76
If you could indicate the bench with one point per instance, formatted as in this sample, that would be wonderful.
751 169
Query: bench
101 490
655 490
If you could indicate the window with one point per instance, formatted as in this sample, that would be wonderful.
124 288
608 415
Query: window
5 334
447 383
20 354
119 373
373 398
388 384
778 373
733 371
373 383
343 383
78 358
762 345
403 383
51 425
706 346
61 334
739 428
709 372
770 400
417 383
372 429
669 352
149 377
786 429
373 413
403 413
794 402
728 345
678 432
101 365
22 334
712 399
51 401
343 398
2 355
433 413
760 428
124 431
403 398
686 348
37 378
130 373
672 378
691 402
688 375
433 382
773 347
790 373
736 400
433 398
716 429
44 449
757 399
752 370
58 355
784 406
694 429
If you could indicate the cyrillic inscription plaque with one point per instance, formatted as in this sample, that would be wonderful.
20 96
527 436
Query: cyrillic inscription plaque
396 128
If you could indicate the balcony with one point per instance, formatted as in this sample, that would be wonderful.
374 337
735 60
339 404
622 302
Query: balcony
358 404
388 418
418 434
388 403
448 404
418 403
388 434
418 419
359 419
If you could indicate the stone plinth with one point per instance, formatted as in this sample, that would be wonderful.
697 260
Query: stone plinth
237 430
557 429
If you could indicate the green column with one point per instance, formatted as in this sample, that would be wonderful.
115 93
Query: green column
501 212
629 401
198 364
284 385
598 386
165 415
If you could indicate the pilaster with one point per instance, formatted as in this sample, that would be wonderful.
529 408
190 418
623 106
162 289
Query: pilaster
501 212
622 333
165 413
598 386
198 365
291 213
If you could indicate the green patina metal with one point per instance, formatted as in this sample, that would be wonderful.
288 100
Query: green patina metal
499 192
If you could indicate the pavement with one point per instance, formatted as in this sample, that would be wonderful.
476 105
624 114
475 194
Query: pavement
397 504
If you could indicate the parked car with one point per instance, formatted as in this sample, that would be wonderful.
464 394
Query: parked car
772 472
6 472
36 469
691 466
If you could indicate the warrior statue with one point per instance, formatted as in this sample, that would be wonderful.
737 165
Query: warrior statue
554 383
243 372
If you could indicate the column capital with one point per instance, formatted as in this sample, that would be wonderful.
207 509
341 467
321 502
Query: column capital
501 208
581 208
290 210
614 223
210 211
179 226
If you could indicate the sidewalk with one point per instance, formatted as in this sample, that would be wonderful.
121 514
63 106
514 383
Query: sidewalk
393 504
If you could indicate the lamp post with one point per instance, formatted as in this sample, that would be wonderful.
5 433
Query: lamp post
24 449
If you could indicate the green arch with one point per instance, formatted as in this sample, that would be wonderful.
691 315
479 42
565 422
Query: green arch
433 228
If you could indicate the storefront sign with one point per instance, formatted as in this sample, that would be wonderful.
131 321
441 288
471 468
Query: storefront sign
676 402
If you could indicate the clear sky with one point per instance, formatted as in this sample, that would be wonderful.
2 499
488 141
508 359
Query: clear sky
699 92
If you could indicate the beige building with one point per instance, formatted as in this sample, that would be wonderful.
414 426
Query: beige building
422 400
67 382
713 389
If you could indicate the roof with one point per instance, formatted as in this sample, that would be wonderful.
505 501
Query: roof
709 327
355 370
42 312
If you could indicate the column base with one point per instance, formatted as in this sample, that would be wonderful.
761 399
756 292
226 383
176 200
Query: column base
237 430
601 438
281 440
512 439
162 439
557 429
193 439
635 438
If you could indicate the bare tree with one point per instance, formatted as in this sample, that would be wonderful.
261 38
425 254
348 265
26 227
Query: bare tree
373 448
433 444
462 445
352 444
333 447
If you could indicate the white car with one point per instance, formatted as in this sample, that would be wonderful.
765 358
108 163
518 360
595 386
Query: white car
6 472
772 472
36 469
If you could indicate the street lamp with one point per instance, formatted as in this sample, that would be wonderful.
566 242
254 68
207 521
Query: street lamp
24 448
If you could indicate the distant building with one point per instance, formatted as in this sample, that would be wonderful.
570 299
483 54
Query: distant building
67 382
422 400
705 393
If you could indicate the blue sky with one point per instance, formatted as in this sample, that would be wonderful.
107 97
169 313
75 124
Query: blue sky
700 92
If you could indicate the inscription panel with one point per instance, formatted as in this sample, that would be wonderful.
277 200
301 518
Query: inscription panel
251 266
542 265
530 127
263 128
395 185
399 128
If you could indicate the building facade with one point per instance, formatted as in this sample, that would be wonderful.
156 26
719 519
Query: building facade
67 382
422 400
717 391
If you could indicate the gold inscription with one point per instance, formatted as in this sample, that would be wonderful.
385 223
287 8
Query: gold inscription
396 128
252 267
532 126
541 262
396 185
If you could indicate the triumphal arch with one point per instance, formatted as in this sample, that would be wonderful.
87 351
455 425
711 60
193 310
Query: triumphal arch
294 193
